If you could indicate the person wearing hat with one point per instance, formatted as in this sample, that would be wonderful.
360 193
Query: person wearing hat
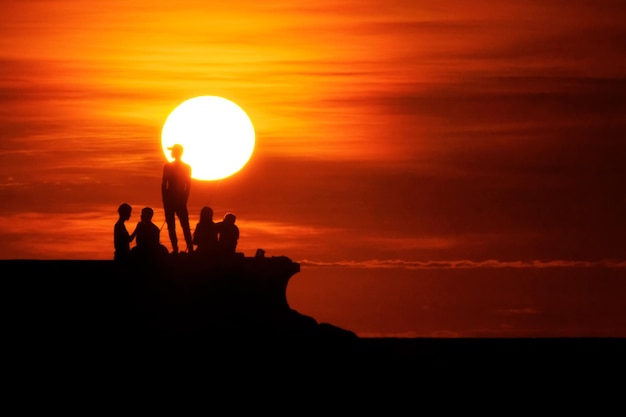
175 193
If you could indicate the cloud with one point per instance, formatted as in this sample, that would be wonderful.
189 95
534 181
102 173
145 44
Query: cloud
519 311
462 264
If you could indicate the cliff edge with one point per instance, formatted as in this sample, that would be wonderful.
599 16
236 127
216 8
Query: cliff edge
176 298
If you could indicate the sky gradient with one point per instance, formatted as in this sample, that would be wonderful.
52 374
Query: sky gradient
390 135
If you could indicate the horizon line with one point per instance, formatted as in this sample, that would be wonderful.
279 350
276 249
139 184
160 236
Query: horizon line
414 265
465 264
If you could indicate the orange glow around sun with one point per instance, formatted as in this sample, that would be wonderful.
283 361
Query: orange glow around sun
216 134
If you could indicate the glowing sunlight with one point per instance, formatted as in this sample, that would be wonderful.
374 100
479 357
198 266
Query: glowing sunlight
216 134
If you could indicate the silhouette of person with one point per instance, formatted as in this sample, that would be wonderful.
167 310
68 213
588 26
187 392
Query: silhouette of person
175 193
205 233
121 238
228 234
148 237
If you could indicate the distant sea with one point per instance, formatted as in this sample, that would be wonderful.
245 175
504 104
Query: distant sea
479 302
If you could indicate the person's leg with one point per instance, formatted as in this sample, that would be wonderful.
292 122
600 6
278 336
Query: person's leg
170 219
183 216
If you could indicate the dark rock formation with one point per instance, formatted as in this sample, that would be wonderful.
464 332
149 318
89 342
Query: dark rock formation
175 298
181 318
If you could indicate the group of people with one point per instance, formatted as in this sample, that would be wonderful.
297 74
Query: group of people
209 239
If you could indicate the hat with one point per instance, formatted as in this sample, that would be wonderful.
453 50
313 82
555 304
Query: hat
177 147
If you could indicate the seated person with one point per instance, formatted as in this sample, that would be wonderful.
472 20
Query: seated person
228 235
205 234
121 238
148 237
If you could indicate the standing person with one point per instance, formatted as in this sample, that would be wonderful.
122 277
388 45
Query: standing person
228 234
121 238
205 233
175 193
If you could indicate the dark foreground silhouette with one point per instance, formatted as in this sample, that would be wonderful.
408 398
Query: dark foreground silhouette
177 296
181 311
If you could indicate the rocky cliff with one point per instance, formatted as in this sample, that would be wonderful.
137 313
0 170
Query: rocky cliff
178 297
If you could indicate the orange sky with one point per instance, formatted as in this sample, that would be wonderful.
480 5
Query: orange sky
389 133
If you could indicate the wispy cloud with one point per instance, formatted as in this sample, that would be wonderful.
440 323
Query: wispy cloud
386 130
462 264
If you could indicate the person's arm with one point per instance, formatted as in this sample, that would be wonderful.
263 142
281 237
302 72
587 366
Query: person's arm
118 235
131 237
187 182
164 183
157 235
134 234
194 237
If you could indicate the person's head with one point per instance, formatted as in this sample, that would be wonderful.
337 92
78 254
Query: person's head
146 214
206 214
229 218
124 211
177 151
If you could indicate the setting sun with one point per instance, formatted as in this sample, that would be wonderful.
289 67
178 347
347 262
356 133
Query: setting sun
217 135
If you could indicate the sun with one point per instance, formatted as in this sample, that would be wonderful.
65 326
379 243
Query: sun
216 134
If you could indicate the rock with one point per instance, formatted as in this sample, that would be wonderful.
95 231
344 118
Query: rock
178 297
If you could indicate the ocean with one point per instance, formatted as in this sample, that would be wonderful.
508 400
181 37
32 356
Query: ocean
473 302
